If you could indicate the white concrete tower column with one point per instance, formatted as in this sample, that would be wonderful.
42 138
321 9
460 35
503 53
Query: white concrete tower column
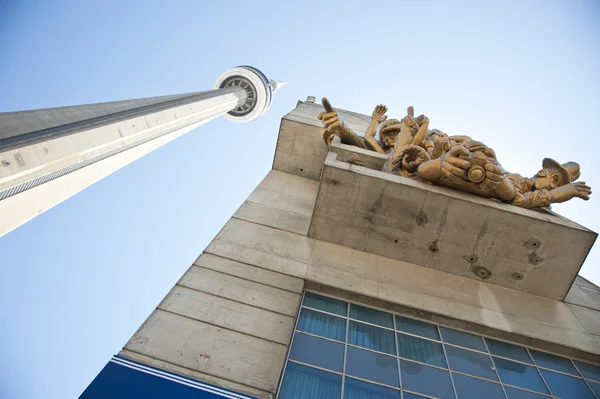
48 155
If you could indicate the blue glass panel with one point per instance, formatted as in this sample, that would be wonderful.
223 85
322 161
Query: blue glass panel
588 370
355 389
473 388
301 382
371 316
408 395
463 339
322 324
372 337
553 362
417 327
520 375
595 387
508 350
515 393
421 350
327 304
372 366
427 380
317 351
567 387
470 362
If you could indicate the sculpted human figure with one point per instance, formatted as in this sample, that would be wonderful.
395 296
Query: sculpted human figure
386 130
408 154
458 162
472 167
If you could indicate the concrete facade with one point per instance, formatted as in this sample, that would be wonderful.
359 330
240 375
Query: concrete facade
230 318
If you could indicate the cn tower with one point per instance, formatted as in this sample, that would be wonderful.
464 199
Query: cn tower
48 155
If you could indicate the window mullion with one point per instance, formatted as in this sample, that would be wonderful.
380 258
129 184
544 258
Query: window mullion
345 349
447 362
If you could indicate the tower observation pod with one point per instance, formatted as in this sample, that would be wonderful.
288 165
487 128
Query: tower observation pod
48 155
259 92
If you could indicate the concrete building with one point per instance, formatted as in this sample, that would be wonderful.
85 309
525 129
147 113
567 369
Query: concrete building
48 155
339 281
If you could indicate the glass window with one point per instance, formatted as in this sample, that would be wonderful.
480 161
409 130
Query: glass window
553 362
567 387
515 393
507 350
427 380
463 339
336 343
408 395
595 387
317 351
372 337
473 388
421 350
356 389
322 324
520 375
588 371
324 303
469 362
417 328
371 316
301 382
372 366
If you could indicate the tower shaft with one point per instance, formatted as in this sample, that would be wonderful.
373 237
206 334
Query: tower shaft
48 155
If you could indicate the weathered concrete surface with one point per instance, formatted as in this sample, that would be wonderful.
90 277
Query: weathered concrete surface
396 282
209 349
250 273
300 146
583 293
241 290
447 230
226 323
229 314
283 201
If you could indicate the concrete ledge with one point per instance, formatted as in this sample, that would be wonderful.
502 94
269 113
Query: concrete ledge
447 230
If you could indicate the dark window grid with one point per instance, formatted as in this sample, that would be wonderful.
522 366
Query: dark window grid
580 373
556 371
444 343
417 393
319 336
529 390
494 366
287 358
585 379
447 362
397 358
325 312
534 364
343 375
345 348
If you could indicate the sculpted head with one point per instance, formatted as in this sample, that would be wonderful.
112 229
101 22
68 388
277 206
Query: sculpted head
554 175
388 132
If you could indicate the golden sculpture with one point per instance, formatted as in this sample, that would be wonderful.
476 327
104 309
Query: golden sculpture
458 162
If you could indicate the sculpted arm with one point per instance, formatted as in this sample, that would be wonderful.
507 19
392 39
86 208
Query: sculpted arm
377 117
335 127
539 198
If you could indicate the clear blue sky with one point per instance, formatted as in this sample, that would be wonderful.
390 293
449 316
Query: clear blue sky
76 282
